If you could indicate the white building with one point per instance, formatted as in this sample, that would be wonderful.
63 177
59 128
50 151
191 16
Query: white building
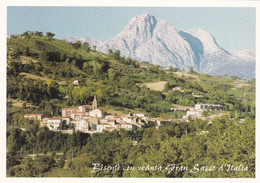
80 124
128 126
109 117
140 115
34 116
67 112
97 113
127 119
193 113
110 128
79 115
212 107
84 108
112 122
54 123
101 127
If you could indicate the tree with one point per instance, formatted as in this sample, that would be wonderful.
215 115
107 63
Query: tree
77 45
192 70
61 163
111 74
176 69
167 86
117 55
110 52
50 35
26 33
33 168
234 77
95 48
86 47
39 34
206 113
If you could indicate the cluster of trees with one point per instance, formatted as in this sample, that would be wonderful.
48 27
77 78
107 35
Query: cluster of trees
224 141
84 46
181 144
114 55
39 140
32 168
30 90
181 98
30 34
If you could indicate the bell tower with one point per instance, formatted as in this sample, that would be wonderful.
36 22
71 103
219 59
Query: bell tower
94 103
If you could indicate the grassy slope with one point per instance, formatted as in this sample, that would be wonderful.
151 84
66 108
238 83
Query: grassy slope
239 88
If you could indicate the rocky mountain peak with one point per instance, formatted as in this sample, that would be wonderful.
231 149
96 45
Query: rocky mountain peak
146 38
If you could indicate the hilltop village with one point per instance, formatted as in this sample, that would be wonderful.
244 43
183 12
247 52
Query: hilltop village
90 119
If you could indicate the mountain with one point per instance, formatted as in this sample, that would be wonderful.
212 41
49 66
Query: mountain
146 38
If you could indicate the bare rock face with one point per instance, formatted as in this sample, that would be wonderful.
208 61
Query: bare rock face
146 38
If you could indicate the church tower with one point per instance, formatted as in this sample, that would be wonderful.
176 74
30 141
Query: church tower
94 103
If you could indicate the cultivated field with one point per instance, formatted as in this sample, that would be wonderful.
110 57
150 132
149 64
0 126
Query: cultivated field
158 86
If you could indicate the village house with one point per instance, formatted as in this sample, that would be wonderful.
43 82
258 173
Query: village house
128 119
112 122
54 123
33 116
211 107
67 112
93 122
140 115
193 113
128 126
96 113
80 125
109 117
110 128
79 115
57 123
101 127
85 108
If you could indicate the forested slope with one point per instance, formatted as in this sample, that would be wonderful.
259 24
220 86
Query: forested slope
40 75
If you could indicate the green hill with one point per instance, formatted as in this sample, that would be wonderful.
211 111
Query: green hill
40 75
42 69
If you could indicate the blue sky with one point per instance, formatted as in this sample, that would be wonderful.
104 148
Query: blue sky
233 28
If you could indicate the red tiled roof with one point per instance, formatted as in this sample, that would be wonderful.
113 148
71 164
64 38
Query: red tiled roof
127 124
55 118
104 124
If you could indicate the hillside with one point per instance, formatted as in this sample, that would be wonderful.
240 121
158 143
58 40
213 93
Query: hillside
41 71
